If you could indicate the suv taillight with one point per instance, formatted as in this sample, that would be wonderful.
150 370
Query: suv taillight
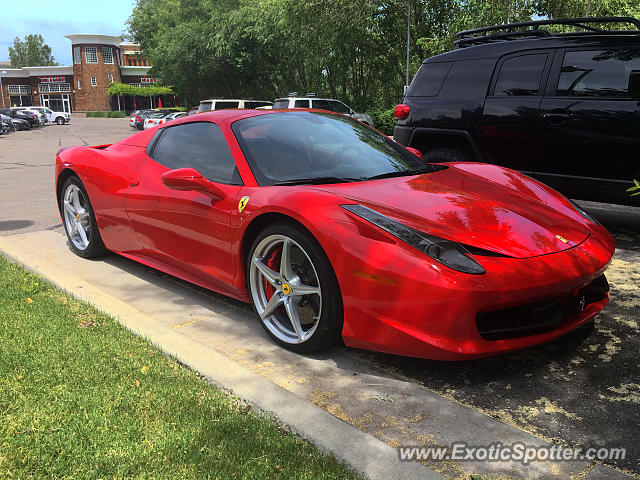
401 111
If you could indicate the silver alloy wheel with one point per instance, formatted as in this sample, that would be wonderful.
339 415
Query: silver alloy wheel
291 306
76 217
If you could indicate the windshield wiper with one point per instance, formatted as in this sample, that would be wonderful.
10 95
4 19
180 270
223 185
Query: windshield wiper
318 181
402 173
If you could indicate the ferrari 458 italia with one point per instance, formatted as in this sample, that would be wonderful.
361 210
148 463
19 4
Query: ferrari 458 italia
334 232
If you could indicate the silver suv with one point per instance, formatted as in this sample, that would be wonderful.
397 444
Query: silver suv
323 104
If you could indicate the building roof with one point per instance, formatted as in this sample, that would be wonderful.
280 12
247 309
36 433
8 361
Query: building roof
77 38
26 72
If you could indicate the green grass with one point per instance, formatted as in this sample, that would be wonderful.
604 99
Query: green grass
81 397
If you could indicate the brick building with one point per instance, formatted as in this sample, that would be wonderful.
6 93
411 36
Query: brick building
97 61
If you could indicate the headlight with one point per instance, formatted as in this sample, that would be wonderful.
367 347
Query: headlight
448 253
583 213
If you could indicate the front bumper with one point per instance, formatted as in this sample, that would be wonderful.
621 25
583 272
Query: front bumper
404 304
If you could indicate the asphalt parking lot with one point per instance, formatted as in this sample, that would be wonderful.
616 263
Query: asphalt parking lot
581 390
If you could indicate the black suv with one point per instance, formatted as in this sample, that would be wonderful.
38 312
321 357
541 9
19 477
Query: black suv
563 108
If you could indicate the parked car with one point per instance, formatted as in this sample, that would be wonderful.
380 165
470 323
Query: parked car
161 118
225 103
31 117
336 232
330 104
54 117
561 107
16 123
8 120
144 114
5 126
42 118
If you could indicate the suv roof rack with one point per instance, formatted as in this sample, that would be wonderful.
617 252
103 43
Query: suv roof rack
512 31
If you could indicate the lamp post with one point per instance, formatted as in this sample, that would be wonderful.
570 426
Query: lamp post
406 84
3 72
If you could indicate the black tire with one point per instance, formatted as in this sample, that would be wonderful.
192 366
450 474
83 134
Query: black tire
445 155
95 247
60 121
329 329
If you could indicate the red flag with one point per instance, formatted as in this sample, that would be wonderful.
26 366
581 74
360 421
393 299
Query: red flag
134 105
159 103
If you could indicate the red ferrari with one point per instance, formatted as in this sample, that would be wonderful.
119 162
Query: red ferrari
336 233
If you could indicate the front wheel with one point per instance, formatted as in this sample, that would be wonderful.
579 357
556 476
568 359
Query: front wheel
60 121
294 289
79 220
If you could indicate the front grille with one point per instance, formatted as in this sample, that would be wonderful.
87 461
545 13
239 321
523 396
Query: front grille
539 317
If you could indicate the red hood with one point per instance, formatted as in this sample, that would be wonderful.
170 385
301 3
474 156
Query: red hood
472 210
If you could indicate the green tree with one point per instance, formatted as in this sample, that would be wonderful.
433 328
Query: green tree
31 52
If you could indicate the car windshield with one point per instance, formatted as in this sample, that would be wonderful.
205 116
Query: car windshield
319 147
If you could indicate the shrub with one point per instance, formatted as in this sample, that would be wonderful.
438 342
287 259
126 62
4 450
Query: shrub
116 114
96 114
383 120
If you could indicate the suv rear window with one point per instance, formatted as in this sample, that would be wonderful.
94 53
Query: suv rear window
204 107
225 105
255 104
429 79
281 103
600 73
521 75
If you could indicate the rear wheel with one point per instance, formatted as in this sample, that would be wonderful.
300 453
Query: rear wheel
79 220
445 155
293 289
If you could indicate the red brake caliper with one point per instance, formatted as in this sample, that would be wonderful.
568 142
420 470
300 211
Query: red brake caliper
273 262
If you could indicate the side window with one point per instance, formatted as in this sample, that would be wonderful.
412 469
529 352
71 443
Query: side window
429 79
339 107
599 73
199 145
321 104
521 75
225 105
301 104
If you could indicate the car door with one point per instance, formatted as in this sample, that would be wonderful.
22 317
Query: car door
511 118
591 130
187 230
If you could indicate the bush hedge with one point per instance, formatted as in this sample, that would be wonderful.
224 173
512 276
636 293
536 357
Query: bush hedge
383 120
114 114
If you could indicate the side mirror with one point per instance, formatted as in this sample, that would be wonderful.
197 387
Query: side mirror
415 151
190 179
634 84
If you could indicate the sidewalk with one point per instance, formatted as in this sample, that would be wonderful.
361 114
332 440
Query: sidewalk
331 399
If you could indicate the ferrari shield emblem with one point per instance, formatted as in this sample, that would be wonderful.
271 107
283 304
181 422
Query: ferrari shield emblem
559 237
243 203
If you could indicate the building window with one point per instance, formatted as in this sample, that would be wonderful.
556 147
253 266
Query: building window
93 82
79 85
135 84
91 54
54 87
76 55
110 78
19 89
107 55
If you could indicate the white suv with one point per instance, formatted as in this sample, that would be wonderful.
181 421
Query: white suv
225 103
59 117
323 104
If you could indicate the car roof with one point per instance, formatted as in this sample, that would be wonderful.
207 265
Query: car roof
307 98
234 100
504 47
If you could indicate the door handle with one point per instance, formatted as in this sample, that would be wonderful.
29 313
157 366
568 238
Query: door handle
557 118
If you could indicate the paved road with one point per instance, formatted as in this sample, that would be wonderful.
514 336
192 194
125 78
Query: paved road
27 162
581 390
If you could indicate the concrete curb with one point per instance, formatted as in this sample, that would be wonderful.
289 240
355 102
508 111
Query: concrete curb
364 453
